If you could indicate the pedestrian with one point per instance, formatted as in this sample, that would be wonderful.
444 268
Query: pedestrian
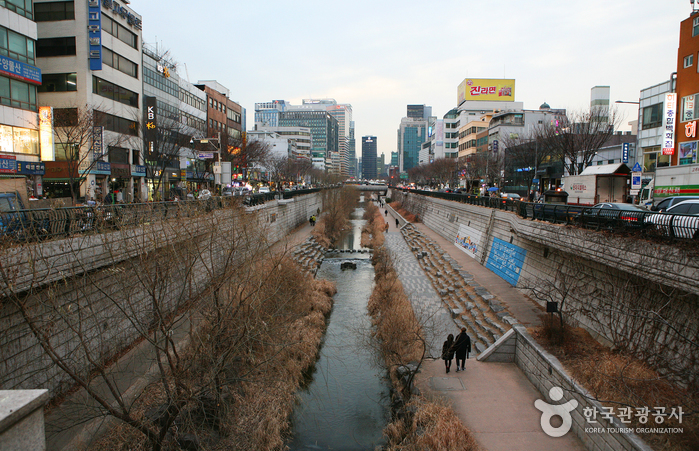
462 348
385 213
397 223
447 353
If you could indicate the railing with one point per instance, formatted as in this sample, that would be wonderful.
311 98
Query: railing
648 223
48 223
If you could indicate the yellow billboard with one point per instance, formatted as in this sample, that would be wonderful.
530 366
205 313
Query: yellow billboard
500 89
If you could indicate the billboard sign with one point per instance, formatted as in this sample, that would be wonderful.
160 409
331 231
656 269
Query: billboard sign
48 151
669 123
94 34
19 70
498 89
469 240
150 132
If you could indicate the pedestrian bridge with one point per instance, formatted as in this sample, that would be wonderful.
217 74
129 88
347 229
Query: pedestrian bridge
379 188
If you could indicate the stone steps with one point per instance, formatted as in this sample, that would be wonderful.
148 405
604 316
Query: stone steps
469 304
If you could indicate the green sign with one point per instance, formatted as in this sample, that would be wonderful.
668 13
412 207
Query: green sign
404 175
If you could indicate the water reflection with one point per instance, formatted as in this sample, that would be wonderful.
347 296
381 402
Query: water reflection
345 407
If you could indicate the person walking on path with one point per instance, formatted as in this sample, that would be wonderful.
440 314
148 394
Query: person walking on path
385 213
397 223
462 348
447 353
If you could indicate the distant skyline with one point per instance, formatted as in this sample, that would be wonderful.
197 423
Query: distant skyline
381 56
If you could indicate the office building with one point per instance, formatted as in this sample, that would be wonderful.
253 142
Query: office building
369 157
90 54
19 78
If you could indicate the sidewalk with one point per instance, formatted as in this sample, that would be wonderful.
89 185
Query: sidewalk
495 401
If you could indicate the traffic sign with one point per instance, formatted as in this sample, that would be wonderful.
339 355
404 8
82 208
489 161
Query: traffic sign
637 168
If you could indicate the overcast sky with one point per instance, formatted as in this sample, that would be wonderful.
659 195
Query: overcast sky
379 56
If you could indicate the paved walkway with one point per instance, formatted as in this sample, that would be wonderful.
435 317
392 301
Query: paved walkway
494 400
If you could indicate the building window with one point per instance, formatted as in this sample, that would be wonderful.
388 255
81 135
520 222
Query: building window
19 140
21 7
116 124
53 11
55 46
65 117
119 63
17 94
652 116
114 92
58 83
118 155
16 46
688 61
695 26
119 31
690 109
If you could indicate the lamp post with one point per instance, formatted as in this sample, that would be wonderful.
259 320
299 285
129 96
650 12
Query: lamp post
216 142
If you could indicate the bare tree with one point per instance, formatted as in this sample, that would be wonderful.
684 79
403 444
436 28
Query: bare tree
576 137
76 131
245 154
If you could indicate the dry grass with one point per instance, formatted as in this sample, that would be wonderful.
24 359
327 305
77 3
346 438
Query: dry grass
433 427
272 326
398 206
372 233
422 424
619 380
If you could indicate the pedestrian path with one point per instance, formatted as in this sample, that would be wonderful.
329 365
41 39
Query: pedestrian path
495 401
436 321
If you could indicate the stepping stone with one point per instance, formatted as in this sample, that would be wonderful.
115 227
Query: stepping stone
456 312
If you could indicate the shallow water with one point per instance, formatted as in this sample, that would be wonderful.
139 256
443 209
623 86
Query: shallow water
346 404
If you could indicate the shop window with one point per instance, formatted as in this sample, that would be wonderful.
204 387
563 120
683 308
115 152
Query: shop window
58 82
53 11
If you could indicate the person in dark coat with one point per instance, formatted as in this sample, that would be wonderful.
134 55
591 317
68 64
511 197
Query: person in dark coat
462 348
397 223
447 353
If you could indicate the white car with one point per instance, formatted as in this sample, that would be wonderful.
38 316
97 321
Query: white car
204 194
680 220
264 189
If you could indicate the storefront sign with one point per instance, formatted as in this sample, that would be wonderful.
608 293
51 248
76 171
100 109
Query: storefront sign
19 70
120 170
94 34
150 132
48 152
8 164
670 119
30 168
499 89
690 129
138 170
101 168
130 17
97 141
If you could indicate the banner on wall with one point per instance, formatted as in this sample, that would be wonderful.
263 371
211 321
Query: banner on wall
468 240
506 260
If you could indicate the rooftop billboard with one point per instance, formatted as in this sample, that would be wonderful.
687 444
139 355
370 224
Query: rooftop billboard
500 89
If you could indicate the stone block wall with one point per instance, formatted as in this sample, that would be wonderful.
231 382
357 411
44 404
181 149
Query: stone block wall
108 296
545 372
608 276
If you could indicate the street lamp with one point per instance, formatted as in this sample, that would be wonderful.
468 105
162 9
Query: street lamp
216 142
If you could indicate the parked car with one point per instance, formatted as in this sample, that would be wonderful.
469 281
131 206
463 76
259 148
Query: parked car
670 201
12 217
228 191
511 196
264 189
611 213
681 220
204 194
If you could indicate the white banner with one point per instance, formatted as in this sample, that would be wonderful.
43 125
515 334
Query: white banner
468 240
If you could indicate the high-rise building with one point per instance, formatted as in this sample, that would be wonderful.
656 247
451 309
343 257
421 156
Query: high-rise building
314 115
91 56
369 157
411 134
352 152
19 122
419 111
343 114
599 103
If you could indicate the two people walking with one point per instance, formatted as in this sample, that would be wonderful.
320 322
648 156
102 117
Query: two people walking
312 220
461 347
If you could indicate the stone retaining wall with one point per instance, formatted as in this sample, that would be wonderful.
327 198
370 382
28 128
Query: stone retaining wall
545 372
613 274
105 284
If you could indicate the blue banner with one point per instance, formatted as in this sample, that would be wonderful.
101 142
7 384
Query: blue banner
8 166
94 34
19 70
30 168
138 170
101 168
506 260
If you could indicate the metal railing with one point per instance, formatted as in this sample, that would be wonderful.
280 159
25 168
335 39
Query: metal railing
49 223
647 223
